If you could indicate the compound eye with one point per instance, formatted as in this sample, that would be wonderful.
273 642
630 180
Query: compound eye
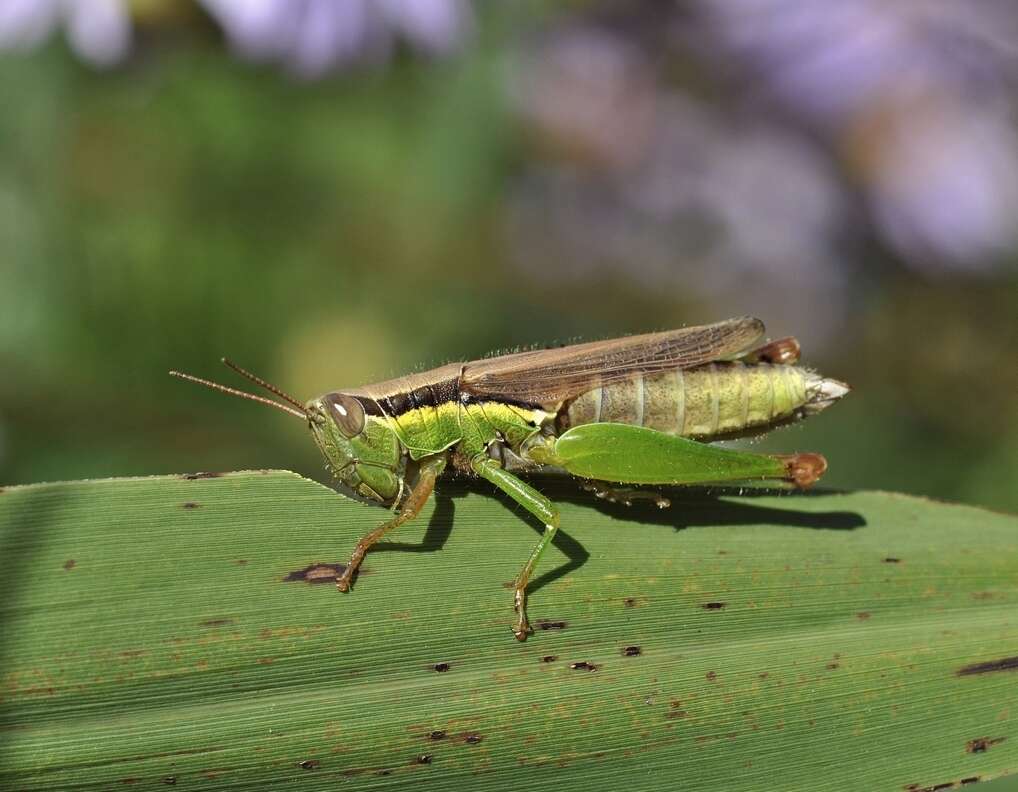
347 412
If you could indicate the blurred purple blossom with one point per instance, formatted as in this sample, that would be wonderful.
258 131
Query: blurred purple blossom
99 31
313 36
916 95
309 36
648 184
830 61
746 195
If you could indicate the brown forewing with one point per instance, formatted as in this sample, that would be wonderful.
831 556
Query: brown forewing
550 376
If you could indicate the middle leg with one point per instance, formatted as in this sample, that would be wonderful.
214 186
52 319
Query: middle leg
538 505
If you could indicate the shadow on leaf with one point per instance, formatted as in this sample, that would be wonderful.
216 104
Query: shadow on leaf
690 507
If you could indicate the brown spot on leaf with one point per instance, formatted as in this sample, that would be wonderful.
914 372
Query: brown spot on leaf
583 665
170 780
69 564
863 615
549 659
980 744
989 667
543 624
216 622
240 561
200 475
892 560
190 505
128 780
675 709
438 734
969 780
711 676
309 764
631 651
630 602
833 666
441 667
422 759
472 738
316 573
713 605
265 660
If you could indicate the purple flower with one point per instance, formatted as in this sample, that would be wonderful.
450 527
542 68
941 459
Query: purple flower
915 95
98 30
646 183
313 36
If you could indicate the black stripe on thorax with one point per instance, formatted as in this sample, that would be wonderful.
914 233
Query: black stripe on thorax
396 404
430 395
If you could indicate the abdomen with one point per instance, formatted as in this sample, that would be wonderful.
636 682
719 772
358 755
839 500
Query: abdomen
710 400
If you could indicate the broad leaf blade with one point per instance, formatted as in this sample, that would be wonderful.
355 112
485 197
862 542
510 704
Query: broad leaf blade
158 630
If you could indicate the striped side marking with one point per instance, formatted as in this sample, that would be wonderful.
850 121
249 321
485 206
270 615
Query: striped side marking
680 398
774 395
744 392
599 400
790 384
715 400
640 398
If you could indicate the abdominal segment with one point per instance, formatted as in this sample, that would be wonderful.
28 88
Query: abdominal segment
712 400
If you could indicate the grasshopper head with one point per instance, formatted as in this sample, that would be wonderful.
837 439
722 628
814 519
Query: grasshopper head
360 449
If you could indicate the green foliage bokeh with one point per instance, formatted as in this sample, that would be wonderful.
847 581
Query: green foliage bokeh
330 233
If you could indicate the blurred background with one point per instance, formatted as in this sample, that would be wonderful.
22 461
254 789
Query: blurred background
335 193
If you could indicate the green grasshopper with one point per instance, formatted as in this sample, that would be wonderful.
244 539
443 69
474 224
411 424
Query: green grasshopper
634 410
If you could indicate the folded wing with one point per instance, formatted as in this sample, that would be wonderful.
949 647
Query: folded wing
551 376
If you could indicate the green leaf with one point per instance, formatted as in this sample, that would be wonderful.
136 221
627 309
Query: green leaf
158 630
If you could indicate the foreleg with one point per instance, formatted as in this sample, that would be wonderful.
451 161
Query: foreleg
430 470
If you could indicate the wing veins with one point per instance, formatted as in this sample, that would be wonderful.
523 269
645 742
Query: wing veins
550 376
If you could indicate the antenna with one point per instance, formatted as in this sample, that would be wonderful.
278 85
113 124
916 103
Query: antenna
300 413
259 381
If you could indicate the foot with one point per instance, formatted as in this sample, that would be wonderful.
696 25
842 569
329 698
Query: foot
522 627
345 580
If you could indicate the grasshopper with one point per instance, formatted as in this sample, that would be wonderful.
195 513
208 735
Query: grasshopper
632 411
